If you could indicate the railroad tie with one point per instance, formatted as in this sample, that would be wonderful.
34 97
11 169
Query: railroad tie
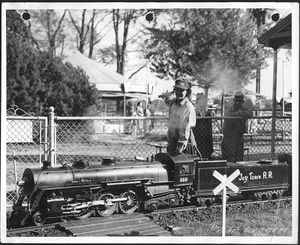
115 225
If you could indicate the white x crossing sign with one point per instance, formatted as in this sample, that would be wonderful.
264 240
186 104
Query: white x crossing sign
226 181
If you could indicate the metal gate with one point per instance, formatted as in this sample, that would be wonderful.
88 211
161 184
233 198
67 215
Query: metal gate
26 146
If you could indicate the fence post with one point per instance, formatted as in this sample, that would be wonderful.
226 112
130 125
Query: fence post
46 143
52 138
15 171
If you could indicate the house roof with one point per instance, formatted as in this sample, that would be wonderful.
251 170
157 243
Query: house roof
110 83
104 78
279 35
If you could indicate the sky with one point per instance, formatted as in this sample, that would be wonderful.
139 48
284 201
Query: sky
284 78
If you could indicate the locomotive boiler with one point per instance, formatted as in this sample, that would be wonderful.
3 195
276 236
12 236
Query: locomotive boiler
83 189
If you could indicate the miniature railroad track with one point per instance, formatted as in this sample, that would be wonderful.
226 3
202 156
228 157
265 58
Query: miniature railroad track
231 203
136 224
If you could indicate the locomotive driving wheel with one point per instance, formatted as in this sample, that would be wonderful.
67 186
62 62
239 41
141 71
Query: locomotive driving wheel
131 204
38 218
109 209
85 213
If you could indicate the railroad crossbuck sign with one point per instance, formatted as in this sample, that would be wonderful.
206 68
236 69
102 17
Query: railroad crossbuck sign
226 181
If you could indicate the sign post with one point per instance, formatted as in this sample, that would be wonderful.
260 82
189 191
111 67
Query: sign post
225 182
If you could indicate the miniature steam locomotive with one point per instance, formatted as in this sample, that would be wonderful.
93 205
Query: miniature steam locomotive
169 180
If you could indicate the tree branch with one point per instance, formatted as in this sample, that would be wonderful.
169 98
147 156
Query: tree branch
74 23
137 71
48 25
102 19
32 38
133 36
59 23
104 26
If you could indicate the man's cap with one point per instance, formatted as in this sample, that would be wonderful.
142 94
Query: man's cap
239 96
181 84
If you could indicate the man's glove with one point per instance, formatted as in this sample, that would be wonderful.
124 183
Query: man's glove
181 146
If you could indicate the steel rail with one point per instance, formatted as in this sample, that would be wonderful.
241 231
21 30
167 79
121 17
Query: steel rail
58 225
231 203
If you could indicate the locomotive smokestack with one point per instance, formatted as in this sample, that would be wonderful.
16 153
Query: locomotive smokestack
46 164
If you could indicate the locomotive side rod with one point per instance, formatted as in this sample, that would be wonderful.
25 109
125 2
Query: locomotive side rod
97 203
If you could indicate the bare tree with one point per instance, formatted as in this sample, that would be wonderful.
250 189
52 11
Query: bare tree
52 34
126 17
95 35
46 28
82 29
89 31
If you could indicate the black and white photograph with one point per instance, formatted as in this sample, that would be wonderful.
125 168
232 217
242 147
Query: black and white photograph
150 122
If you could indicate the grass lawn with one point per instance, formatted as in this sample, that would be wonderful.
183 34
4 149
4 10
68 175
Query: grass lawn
272 219
260 224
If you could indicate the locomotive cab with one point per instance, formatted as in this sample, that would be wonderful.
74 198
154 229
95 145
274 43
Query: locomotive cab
180 167
184 173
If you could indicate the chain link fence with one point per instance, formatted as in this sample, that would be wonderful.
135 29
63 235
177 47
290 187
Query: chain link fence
93 138
257 137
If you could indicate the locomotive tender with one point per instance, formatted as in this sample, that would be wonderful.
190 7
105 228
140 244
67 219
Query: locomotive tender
82 189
